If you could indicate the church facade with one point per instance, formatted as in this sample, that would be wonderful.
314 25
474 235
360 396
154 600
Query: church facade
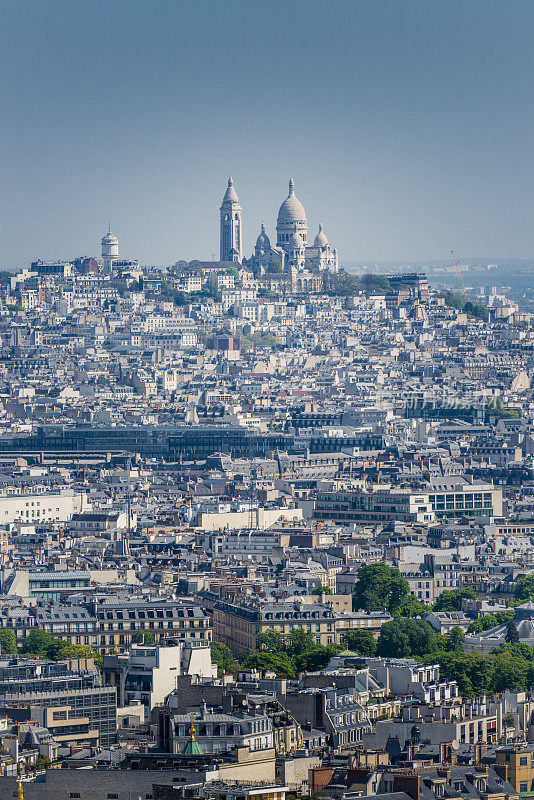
293 261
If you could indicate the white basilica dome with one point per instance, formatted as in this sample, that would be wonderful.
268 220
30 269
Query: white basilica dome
291 209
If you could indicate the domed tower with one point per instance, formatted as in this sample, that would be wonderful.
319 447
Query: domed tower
230 222
110 249
263 245
291 219
320 239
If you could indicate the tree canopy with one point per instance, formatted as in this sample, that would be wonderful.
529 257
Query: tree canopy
401 638
380 587
222 656
41 643
289 655
346 285
143 637
451 599
8 642
361 641
490 621
524 588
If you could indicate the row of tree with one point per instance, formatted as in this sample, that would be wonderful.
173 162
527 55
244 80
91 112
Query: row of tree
284 655
455 300
41 643
343 284
382 588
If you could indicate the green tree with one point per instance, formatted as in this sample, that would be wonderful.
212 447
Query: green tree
376 284
524 588
280 663
233 271
406 637
273 641
490 621
343 284
509 667
222 656
8 642
451 599
476 310
322 590
380 587
456 640
360 641
37 643
413 607
421 636
263 339
482 624
393 641
74 651
300 642
453 300
57 648
512 636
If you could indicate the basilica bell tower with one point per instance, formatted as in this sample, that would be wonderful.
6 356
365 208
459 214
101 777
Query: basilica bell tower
230 221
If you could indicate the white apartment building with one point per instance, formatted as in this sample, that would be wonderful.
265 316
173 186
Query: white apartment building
148 674
167 324
231 297
221 280
254 311
42 507
188 283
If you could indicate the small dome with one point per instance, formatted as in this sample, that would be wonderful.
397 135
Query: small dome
296 241
263 240
110 238
231 194
291 209
320 239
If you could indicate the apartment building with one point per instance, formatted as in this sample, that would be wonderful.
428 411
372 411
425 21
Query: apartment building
147 674
239 625
42 507
515 763
118 621
373 506
51 683
458 496
216 732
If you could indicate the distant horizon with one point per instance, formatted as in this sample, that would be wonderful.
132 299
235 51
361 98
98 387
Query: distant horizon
343 263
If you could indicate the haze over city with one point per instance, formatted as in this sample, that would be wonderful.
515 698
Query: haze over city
407 126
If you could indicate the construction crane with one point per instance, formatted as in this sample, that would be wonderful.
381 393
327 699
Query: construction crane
457 265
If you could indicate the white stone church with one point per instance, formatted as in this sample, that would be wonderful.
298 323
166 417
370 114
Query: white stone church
307 267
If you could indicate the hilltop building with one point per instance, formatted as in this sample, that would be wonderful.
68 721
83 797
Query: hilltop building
299 265
110 249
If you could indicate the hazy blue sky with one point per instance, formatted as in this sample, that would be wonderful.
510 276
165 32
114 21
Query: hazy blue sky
408 125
